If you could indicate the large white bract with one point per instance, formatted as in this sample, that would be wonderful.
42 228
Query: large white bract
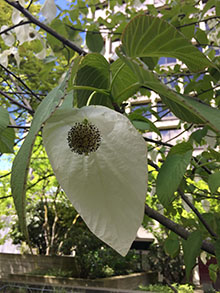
107 183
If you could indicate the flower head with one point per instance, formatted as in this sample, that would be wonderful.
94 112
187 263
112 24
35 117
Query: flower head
99 160
84 138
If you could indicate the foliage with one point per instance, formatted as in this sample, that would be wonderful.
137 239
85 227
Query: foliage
171 268
164 288
33 61
55 228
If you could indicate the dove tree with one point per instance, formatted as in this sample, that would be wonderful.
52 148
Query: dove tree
57 83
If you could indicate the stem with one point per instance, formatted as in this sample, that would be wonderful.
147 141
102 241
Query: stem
90 88
116 74
90 98
17 103
204 164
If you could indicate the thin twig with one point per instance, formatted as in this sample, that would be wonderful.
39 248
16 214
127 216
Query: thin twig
18 126
4 197
5 175
21 81
16 102
176 228
46 28
158 142
24 100
194 209
29 5
14 26
196 22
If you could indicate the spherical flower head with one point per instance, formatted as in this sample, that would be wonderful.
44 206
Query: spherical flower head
84 138
100 161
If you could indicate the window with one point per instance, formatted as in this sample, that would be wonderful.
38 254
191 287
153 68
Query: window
143 109
166 60
217 52
163 111
169 134
170 82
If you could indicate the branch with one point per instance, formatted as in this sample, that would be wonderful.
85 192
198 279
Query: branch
40 179
21 81
29 5
16 102
49 30
158 142
176 228
196 22
4 197
107 31
24 100
18 126
5 175
190 205
194 209
14 26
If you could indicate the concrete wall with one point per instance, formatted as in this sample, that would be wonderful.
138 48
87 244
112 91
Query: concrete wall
22 264
14 268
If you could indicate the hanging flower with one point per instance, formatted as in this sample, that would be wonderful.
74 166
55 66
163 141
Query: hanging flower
8 38
49 10
99 160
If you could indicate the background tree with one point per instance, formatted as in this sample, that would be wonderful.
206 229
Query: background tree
47 47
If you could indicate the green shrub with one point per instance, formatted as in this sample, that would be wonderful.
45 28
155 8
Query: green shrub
59 222
166 289
172 268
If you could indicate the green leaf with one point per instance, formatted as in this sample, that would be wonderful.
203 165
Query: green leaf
180 111
94 41
148 36
184 107
208 6
22 159
217 251
214 181
201 36
4 119
172 246
172 171
199 134
143 123
213 270
215 155
94 72
191 249
60 28
180 148
151 62
124 82
68 101
7 135
7 138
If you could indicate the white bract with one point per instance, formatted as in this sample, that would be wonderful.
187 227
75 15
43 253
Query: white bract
49 10
4 56
8 38
100 161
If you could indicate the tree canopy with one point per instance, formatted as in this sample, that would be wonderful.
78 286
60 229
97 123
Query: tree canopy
105 53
